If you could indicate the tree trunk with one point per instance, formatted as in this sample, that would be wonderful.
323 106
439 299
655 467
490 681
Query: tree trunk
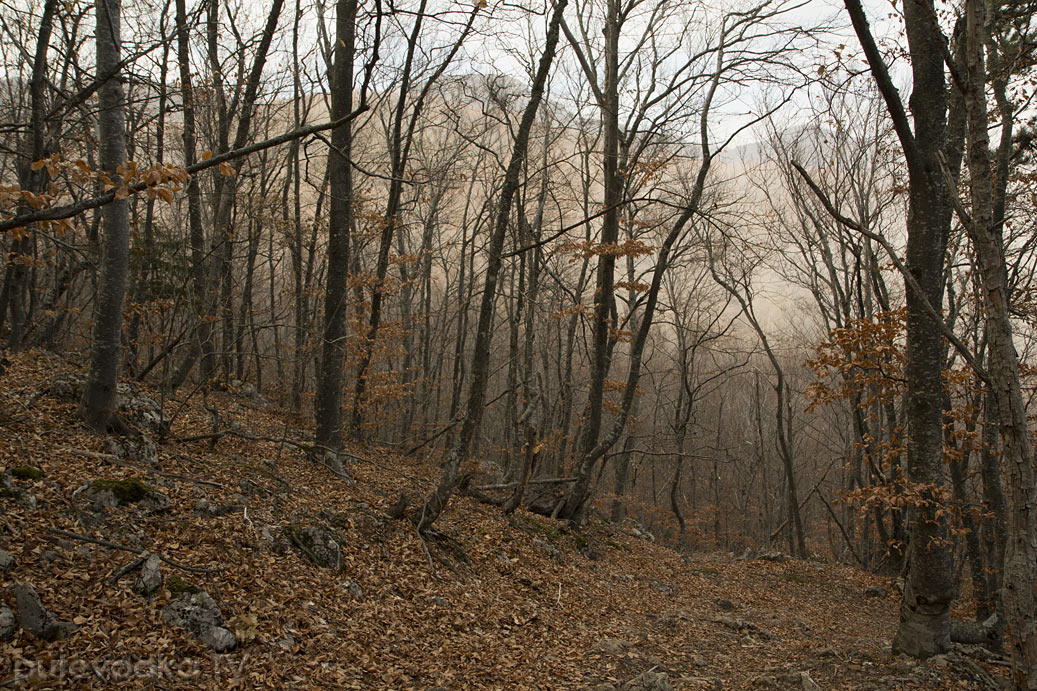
436 502
924 613
97 407
328 403
17 275
1002 366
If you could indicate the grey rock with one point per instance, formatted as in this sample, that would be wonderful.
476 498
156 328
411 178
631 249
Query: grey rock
34 618
200 616
65 386
725 605
549 549
611 646
155 502
48 556
10 491
149 579
440 602
152 500
7 623
141 410
136 407
355 590
101 500
84 551
778 557
807 683
139 449
6 560
204 507
317 545
876 591
648 681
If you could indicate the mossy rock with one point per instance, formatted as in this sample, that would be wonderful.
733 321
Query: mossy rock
26 472
8 490
109 493
127 491
178 586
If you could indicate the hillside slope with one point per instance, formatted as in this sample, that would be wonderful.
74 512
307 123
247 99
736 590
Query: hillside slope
497 602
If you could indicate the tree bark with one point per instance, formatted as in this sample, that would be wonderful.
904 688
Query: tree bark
328 403
1002 365
97 407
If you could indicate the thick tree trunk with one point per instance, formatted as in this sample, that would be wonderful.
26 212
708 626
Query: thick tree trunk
1003 367
328 403
924 613
97 408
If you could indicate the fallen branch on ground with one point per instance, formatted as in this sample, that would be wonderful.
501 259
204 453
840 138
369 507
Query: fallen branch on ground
131 550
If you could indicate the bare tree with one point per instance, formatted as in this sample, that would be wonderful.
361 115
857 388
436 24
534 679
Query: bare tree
436 502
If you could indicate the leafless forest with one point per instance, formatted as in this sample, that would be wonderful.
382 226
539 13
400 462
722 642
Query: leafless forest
756 275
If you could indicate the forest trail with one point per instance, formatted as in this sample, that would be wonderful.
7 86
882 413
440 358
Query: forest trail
497 602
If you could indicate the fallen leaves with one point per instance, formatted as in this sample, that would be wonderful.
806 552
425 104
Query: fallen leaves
518 622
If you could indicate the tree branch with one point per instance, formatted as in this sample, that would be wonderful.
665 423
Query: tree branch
909 278
69 210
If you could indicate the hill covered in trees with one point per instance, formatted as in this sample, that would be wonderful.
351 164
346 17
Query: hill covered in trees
525 259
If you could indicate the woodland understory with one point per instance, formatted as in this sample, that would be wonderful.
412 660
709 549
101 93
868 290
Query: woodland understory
429 281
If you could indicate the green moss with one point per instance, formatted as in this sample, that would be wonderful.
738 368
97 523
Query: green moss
581 541
613 544
8 493
127 491
27 472
707 571
178 586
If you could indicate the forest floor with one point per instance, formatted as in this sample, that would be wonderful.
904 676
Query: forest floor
496 602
